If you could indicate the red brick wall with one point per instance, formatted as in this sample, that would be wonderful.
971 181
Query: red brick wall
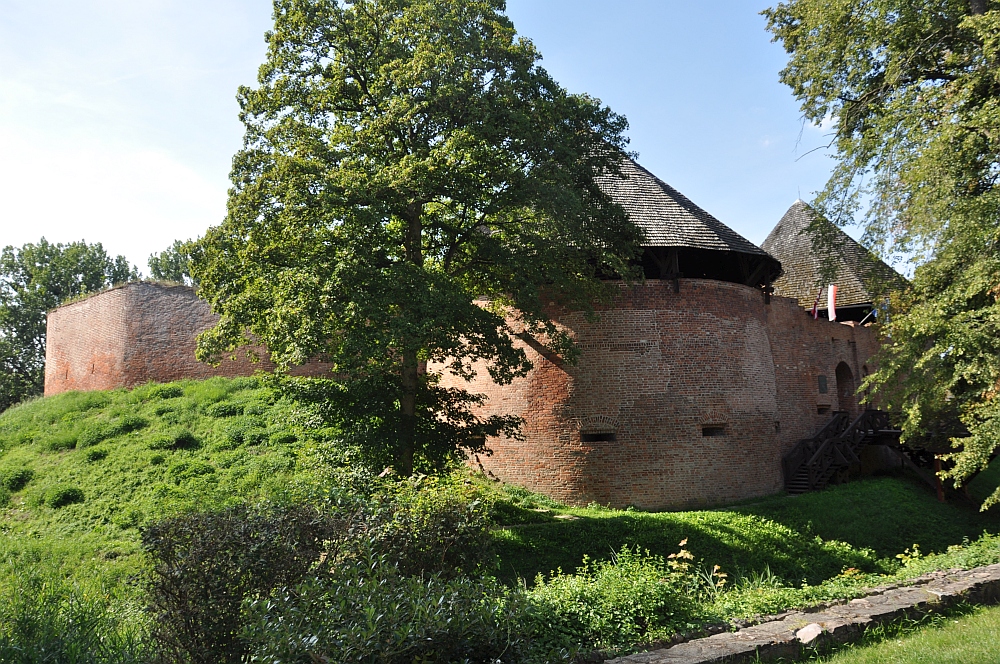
134 334
655 369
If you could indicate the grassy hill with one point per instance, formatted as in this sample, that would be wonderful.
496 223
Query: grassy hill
82 473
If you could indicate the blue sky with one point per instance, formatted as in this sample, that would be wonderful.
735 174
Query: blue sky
118 118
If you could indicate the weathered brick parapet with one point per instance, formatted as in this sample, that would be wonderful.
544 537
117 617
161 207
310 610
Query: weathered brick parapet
134 334
786 636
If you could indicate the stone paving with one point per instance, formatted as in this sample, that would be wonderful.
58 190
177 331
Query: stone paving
789 633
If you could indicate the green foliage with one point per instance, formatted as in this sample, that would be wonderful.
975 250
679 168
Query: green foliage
915 93
366 611
104 430
45 619
15 479
174 438
206 564
60 441
61 496
430 525
173 263
34 279
96 454
839 541
401 160
615 604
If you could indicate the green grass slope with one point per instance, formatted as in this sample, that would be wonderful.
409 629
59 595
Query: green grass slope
81 472
811 537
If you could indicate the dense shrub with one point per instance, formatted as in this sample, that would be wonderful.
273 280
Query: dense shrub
183 470
433 525
101 431
175 438
96 454
206 564
165 392
224 409
61 496
613 605
245 430
366 611
60 441
15 479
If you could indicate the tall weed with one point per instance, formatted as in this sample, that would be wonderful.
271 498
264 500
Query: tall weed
47 620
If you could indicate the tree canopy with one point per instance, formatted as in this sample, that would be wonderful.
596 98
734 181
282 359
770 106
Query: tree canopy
413 190
34 279
913 88
173 263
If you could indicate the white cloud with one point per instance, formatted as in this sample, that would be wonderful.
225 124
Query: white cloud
134 200
118 118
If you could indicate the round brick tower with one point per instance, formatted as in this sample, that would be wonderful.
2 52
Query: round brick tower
689 387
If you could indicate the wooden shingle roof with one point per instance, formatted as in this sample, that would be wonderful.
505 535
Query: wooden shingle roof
805 249
668 217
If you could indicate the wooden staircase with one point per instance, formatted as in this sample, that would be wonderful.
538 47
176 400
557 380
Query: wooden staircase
814 462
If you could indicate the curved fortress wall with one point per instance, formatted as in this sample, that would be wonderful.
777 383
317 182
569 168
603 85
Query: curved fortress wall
134 334
679 399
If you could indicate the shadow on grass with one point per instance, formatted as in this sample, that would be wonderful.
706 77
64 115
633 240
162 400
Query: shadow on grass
805 538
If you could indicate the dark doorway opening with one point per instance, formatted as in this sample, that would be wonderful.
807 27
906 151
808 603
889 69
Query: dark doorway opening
846 388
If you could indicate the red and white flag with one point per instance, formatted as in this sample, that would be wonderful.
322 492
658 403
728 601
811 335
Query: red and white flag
831 302
815 309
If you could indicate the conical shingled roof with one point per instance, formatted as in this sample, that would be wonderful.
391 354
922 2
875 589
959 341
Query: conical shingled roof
860 275
668 217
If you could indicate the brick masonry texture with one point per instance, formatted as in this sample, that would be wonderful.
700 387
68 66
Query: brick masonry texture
659 370
134 334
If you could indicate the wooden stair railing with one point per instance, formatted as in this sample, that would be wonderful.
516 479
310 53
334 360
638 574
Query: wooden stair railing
813 462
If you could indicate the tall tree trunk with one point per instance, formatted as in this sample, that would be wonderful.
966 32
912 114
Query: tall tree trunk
410 375
408 414
977 7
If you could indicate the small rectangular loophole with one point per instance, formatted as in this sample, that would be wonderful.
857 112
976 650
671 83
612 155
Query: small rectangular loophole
606 437
822 410
713 431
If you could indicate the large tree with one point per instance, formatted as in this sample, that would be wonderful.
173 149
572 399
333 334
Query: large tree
913 88
34 279
413 190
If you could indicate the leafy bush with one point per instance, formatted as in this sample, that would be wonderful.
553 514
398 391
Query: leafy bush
433 525
366 611
614 605
282 438
183 470
61 496
166 392
175 438
206 564
15 479
224 409
60 441
96 454
245 430
101 431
